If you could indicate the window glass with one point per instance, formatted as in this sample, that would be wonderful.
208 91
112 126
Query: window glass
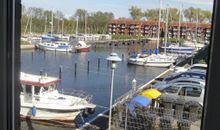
36 90
190 91
28 89
171 89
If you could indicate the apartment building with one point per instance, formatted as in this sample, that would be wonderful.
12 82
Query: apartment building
185 30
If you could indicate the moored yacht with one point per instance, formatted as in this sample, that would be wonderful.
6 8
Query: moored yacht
81 46
40 99
55 46
137 59
159 60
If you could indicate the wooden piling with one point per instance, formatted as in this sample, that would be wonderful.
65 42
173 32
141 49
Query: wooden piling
88 67
60 72
98 63
75 68
32 56
122 57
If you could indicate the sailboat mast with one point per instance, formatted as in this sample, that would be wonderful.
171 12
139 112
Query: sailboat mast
197 21
30 22
167 16
51 23
62 28
45 26
77 22
158 34
180 14
85 27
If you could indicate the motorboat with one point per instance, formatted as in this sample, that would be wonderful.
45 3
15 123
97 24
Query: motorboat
81 46
41 100
159 60
137 59
60 46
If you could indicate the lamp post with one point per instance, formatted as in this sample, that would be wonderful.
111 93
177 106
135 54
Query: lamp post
113 58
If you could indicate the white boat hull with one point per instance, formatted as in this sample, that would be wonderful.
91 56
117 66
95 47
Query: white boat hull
135 62
44 114
54 48
154 64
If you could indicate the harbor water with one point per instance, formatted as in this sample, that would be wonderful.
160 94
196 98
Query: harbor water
91 72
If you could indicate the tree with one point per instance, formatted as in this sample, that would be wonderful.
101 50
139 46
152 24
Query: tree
152 14
191 14
136 12
208 15
173 14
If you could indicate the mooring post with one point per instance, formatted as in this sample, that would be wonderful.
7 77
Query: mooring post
98 63
122 57
75 68
32 56
60 72
88 67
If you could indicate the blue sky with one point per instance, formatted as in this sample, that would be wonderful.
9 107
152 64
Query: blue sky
118 7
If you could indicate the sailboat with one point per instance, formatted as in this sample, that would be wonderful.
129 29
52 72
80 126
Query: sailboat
51 43
177 48
194 43
160 60
80 44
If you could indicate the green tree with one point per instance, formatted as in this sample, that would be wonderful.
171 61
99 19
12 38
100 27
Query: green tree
136 12
152 14
208 15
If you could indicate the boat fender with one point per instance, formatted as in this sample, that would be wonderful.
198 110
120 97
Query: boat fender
85 112
91 110
33 111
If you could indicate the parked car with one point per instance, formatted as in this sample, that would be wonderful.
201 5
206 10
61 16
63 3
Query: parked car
187 91
162 84
192 67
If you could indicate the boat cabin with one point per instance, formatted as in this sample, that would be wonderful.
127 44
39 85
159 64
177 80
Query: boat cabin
32 86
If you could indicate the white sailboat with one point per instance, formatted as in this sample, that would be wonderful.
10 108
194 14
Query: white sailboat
177 48
160 60
52 44
195 44
137 59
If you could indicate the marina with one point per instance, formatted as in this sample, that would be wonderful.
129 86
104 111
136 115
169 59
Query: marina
135 73
91 67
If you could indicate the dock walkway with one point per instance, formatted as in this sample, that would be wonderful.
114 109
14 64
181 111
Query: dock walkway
100 122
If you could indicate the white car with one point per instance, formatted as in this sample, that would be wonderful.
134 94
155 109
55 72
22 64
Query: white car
187 91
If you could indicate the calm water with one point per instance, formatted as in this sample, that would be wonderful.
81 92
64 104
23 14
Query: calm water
95 81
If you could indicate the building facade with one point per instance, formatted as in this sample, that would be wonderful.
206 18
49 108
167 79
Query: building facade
184 30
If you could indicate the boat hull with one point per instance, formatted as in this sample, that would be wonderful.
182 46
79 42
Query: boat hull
44 114
60 49
180 50
86 49
156 64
